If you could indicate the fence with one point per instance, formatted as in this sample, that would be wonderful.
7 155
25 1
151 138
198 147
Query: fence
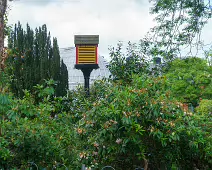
32 164
107 168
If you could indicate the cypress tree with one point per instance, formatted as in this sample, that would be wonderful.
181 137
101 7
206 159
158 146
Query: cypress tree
36 51
63 82
17 44
55 60
28 58
35 59
56 65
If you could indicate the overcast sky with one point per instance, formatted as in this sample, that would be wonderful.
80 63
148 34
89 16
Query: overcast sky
113 20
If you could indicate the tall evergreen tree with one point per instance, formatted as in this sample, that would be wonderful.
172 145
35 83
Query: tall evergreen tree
35 59
55 60
63 84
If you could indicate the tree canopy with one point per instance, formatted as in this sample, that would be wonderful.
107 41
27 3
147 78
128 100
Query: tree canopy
179 24
190 79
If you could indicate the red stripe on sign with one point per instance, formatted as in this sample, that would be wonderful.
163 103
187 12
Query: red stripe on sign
77 54
96 54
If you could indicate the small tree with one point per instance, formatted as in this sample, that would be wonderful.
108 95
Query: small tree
190 79
122 67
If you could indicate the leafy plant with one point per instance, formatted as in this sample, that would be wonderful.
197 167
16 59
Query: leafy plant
205 107
190 79
36 130
141 123
122 67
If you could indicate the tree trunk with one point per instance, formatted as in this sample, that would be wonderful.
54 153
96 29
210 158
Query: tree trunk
3 7
145 164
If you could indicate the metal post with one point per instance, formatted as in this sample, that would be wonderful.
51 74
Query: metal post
108 167
83 167
86 73
32 164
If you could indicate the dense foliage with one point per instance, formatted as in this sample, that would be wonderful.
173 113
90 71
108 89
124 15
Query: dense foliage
205 107
136 118
131 125
190 79
30 132
123 66
131 120
34 59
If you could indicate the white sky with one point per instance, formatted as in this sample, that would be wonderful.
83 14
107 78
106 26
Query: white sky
112 20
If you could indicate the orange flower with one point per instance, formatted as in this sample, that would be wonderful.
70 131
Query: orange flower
143 90
172 124
79 131
202 87
96 144
82 155
128 102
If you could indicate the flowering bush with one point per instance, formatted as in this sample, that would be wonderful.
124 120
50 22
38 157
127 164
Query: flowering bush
35 129
132 120
141 124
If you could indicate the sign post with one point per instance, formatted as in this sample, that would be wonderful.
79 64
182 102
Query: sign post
86 56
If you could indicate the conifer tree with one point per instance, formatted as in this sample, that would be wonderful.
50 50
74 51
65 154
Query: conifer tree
63 84
35 59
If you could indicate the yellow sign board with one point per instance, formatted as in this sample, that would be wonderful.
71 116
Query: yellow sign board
86 54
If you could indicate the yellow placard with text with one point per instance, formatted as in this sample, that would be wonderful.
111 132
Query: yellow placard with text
86 54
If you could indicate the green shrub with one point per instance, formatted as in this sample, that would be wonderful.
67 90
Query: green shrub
130 122
122 67
142 122
36 129
205 107
190 79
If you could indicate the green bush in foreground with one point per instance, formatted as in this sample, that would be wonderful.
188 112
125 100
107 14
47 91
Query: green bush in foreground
205 107
141 122
121 124
35 132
